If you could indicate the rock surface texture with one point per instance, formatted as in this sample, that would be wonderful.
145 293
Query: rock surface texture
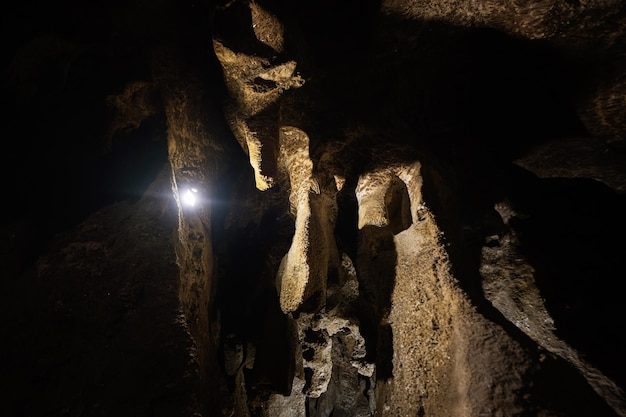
314 208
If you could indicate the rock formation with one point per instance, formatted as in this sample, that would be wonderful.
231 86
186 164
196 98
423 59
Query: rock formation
400 208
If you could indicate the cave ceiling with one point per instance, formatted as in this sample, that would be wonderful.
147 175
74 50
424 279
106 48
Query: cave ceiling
403 207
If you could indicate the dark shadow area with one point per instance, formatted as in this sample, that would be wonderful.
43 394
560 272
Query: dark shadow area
398 206
346 227
558 387
247 260
514 93
64 186
572 232
275 356
318 32
96 326
131 165
233 27
58 116
246 298
487 96
376 268
521 93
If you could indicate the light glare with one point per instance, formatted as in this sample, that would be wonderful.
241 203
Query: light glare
189 197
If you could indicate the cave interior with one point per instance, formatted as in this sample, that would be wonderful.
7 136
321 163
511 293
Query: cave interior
405 208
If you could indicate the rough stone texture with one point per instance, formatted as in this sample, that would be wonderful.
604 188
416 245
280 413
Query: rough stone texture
302 274
405 208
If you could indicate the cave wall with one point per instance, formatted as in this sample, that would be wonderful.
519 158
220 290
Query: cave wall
403 208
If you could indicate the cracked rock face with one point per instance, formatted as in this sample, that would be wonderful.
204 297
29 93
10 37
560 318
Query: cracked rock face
402 208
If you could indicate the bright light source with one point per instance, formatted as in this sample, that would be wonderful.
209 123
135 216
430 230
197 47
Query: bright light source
190 196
